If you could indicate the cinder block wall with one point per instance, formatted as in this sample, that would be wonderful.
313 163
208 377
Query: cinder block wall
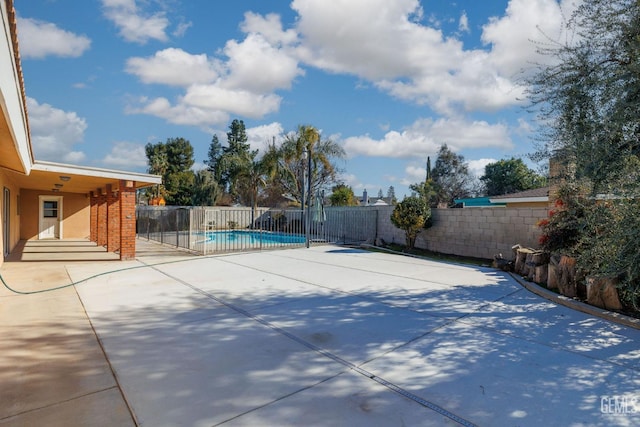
473 232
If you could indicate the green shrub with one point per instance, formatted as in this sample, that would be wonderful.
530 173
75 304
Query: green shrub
610 246
602 233
411 215
561 231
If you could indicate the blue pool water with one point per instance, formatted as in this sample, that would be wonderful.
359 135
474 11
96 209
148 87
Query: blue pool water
252 237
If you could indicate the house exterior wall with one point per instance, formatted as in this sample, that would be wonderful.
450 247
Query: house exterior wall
127 221
478 232
75 214
14 219
528 205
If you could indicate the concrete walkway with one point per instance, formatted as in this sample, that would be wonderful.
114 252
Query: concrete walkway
325 336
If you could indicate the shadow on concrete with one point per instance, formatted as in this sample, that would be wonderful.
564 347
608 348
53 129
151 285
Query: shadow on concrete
491 353
60 251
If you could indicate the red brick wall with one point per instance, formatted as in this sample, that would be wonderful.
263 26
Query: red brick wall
102 220
93 221
127 196
113 220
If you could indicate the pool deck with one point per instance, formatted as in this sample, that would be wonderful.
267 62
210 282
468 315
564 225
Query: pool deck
319 337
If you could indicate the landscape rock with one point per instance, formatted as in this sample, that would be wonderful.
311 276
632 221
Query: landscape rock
552 276
566 274
603 292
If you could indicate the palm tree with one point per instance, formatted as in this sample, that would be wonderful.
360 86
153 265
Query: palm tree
292 164
252 175
206 190
158 161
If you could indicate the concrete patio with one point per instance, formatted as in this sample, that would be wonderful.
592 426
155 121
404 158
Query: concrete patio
323 336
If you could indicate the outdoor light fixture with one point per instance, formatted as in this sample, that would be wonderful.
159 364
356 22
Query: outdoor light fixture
57 185
64 178
55 190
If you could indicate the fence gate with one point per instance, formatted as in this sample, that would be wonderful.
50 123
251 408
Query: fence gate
346 226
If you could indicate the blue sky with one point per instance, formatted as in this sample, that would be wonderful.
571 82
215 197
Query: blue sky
388 80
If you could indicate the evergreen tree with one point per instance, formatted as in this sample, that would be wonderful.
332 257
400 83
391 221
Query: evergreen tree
213 161
391 195
411 215
342 195
510 176
588 97
173 160
451 177
206 190
227 162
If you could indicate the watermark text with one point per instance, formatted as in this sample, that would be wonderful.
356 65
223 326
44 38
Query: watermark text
620 405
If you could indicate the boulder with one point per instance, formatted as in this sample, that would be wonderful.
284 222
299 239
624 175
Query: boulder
520 266
566 273
503 264
534 260
603 292
553 271
541 274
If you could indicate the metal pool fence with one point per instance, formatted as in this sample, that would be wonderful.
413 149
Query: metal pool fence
207 230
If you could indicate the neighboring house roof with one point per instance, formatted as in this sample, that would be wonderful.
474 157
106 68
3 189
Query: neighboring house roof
478 202
16 155
535 195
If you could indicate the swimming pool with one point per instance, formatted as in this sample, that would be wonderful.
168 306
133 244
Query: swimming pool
251 237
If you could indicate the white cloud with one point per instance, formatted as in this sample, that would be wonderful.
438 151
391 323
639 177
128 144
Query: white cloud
385 44
358 186
351 180
39 39
174 67
260 137
126 155
524 127
415 174
182 28
238 102
476 167
425 137
133 24
394 144
244 85
377 40
373 39
388 44
515 37
198 166
257 66
55 132
463 24
179 114
270 27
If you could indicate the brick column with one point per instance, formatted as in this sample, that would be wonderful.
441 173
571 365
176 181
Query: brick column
93 217
113 220
102 219
127 196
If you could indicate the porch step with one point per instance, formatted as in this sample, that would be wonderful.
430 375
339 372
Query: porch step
56 246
